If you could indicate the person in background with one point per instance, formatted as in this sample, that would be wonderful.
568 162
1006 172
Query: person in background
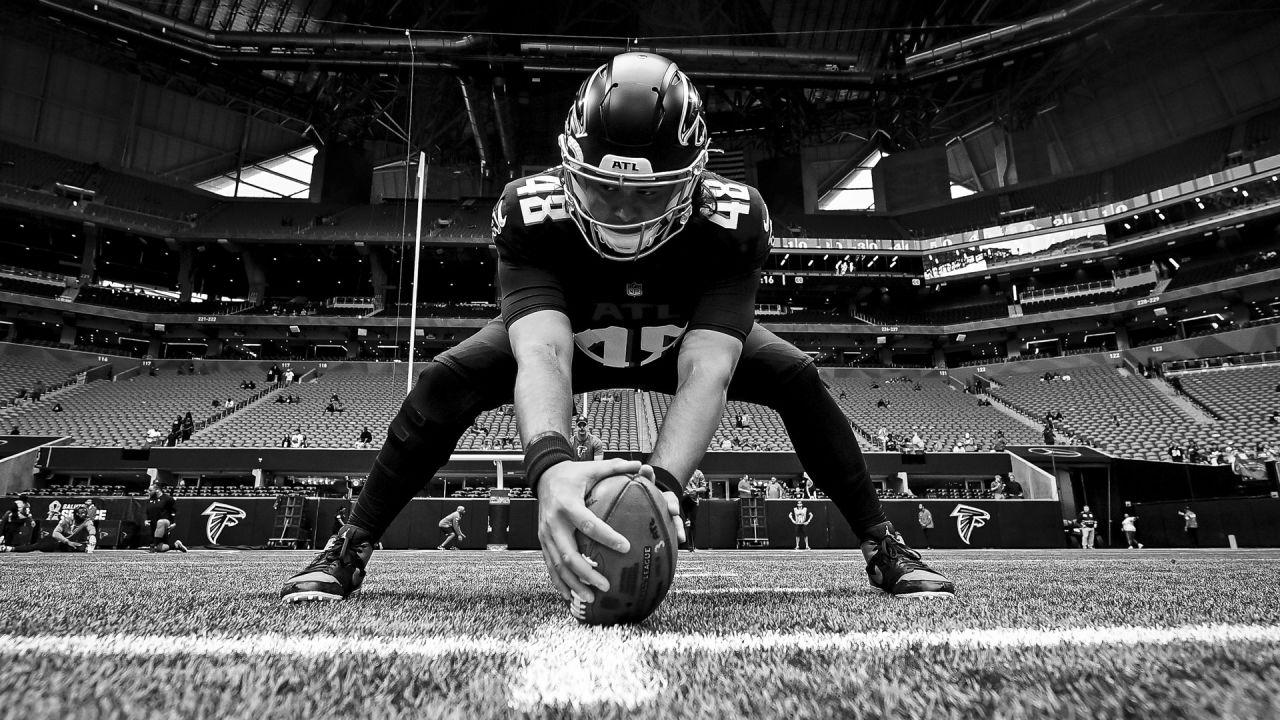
773 489
75 532
801 517
693 493
997 487
365 440
16 524
162 512
340 519
1013 488
1088 528
1191 525
451 526
925 518
586 447
188 426
1129 526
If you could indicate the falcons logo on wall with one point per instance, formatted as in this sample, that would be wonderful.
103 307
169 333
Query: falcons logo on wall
967 519
221 517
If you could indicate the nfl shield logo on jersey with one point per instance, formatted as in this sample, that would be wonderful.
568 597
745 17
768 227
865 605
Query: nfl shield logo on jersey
634 289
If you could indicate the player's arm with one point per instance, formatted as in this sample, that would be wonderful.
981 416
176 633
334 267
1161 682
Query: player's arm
598 450
704 368
542 343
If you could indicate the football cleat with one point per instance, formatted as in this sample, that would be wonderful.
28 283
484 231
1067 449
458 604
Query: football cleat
898 570
178 544
336 573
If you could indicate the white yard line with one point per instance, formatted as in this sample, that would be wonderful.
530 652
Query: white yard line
564 664
570 665
744 590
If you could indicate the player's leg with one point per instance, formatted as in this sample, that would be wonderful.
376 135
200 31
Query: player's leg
689 509
774 373
476 375
47 544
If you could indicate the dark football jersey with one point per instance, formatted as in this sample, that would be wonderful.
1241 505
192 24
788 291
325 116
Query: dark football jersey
630 313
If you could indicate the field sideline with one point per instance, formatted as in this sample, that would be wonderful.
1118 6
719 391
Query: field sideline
1064 634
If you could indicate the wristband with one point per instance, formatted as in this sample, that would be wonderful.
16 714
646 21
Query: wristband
665 481
549 448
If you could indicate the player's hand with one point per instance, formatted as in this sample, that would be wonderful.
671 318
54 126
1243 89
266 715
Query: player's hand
562 511
673 503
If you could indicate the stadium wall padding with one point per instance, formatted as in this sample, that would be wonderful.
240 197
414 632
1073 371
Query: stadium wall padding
1254 521
249 522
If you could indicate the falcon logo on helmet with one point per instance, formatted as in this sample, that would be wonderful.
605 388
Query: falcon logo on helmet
633 150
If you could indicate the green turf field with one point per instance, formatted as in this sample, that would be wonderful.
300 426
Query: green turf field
763 634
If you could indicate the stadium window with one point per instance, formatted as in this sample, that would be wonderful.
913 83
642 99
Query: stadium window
283 176
854 191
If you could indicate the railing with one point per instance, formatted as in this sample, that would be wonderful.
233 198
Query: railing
1225 362
1089 288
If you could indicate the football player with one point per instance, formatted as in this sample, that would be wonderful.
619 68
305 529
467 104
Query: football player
628 265
162 512
76 532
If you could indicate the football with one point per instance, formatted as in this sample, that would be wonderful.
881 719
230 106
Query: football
639 579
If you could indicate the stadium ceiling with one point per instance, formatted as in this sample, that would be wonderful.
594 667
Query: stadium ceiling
457 77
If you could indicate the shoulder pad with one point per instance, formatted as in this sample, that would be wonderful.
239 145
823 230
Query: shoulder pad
738 209
530 201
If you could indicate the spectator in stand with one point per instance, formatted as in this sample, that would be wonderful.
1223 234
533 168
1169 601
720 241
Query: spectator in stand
883 436
1191 525
188 426
175 432
37 391
57 406
997 487
280 399
744 420
773 489
746 488
998 441
216 403
1274 418
229 404
917 442
1175 453
298 439
925 518
288 376
882 403
968 442
1013 488
274 373
153 436
1048 435
335 405
365 441
1088 528
1129 526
